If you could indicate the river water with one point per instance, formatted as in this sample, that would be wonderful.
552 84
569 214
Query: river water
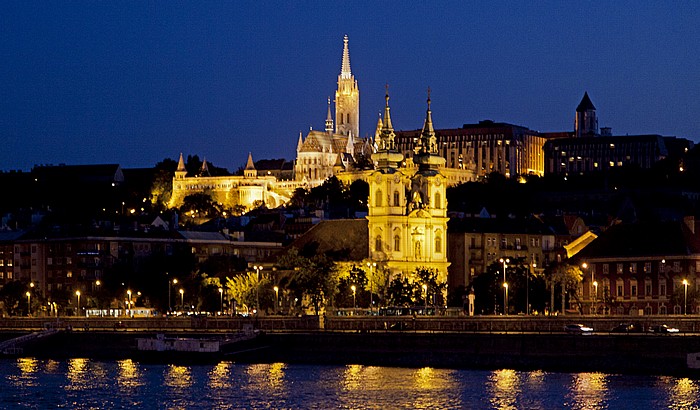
91 384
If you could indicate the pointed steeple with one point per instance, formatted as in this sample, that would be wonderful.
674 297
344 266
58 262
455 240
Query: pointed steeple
386 156
329 118
350 146
181 171
204 172
426 152
586 120
345 66
300 142
427 141
585 103
250 171
387 126
181 164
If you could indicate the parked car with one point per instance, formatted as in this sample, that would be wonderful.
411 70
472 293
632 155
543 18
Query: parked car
626 328
664 329
577 329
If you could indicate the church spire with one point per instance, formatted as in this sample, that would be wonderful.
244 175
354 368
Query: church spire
387 116
250 171
329 119
300 142
427 142
345 66
181 164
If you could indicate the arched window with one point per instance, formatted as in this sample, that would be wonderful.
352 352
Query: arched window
438 244
378 199
438 200
348 118
397 243
378 243
396 198
341 118
417 250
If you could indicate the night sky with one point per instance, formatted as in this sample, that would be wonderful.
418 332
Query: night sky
134 82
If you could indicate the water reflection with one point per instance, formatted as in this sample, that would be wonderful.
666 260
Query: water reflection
588 391
128 374
220 376
178 377
683 394
504 387
77 374
267 376
27 377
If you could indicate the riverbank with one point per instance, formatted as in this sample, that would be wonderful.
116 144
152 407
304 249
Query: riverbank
625 353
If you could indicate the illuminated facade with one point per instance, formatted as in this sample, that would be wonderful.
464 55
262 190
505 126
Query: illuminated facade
407 221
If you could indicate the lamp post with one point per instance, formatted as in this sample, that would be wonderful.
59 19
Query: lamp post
371 265
685 297
527 288
128 293
425 299
29 303
170 290
182 299
595 297
277 298
505 293
77 293
257 289
354 301
221 296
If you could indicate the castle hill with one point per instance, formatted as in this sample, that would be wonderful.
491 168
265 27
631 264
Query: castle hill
481 245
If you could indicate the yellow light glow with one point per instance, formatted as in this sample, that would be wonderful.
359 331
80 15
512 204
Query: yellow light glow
178 376
129 374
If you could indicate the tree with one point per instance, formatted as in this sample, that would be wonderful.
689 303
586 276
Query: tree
162 185
243 288
567 277
12 295
315 277
354 277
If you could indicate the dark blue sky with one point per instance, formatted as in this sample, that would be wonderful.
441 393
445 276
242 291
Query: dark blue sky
133 82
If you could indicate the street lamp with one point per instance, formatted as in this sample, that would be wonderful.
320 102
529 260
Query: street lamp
29 303
221 296
685 297
505 297
425 299
170 290
77 293
182 299
371 265
257 289
527 288
354 301
128 293
595 296
505 265
277 302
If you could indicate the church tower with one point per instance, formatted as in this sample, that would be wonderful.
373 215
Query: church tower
347 98
586 123
407 219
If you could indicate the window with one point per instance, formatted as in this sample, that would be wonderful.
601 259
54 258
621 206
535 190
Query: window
662 288
620 268
417 249
438 200
633 290
378 199
69 274
378 244
647 287
606 269
677 266
397 243
633 268
396 198
438 244
647 267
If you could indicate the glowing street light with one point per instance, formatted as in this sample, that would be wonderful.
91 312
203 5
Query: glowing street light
29 303
77 293
595 295
182 299
128 293
370 266
257 289
277 303
505 297
221 296
685 297
170 290
425 299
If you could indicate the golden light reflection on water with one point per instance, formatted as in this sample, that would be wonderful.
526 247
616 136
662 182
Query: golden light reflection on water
129 374
27 377
28 365
76 374
51 366
504 387
683 394
589 390
178 376
220 376
270 375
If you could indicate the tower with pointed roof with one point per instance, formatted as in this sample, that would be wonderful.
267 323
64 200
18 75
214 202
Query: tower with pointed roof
181 171
586 122
250 171
347 98
407 218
